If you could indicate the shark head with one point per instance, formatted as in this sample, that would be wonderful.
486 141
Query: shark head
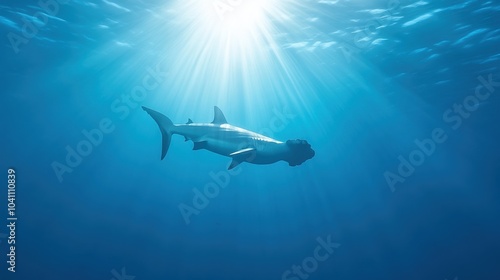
300 151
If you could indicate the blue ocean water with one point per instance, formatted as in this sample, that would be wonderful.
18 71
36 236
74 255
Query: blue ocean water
399 100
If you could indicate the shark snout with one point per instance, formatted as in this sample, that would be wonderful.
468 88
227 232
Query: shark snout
300 151
312 153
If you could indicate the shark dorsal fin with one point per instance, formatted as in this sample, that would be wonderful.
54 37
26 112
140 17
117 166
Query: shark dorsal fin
218 116
190 121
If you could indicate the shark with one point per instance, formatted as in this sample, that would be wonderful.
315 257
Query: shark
239 144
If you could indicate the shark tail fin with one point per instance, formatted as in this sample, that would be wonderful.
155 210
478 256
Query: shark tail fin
165 125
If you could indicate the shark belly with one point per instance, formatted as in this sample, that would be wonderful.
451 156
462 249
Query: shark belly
228 140
264 152
268 152
224 147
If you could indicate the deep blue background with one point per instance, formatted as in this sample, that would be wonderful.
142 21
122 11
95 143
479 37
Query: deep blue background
119 207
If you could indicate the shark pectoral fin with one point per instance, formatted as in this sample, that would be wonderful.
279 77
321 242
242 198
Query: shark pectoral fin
200 145
233 164
242 152
240 156
186 139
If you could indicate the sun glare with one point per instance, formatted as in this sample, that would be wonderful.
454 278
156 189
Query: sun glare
230 52
240 15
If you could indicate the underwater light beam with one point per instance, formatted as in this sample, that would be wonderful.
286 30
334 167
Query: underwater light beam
224 47
230 53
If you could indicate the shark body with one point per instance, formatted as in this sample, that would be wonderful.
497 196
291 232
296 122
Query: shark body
237 143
